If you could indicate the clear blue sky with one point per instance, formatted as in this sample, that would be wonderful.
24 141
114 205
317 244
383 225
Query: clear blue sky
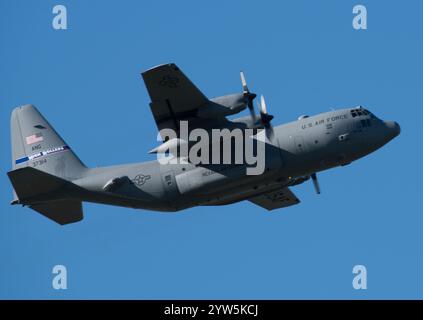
306 58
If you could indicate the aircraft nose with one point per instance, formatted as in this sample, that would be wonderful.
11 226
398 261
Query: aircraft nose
393 127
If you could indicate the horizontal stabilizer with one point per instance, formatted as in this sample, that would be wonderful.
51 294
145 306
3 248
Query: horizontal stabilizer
46 194
61 211
29 183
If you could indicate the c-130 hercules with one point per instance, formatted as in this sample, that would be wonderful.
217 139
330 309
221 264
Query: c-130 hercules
48 177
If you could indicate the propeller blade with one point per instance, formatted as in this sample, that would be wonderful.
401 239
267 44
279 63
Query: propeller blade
249 96
263 105
269 132
315 183
244 83
265 117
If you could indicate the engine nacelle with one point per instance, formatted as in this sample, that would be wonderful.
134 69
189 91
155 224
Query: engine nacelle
223 106
170 145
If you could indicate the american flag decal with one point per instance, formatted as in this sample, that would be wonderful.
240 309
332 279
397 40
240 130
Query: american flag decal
34 138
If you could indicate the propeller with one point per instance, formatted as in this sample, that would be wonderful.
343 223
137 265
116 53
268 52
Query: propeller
265 117
315 182
249 96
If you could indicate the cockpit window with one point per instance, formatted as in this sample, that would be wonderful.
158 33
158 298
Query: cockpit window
360 112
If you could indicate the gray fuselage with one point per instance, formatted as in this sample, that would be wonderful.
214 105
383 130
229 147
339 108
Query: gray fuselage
297 149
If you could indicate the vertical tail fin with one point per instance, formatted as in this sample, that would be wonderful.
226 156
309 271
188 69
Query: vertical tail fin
43 165
36 144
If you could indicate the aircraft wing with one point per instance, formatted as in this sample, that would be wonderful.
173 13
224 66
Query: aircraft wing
280 198
174 98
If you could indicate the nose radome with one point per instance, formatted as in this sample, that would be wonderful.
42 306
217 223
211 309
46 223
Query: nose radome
394 127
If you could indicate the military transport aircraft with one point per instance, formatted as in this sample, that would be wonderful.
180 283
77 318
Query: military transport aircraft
48 177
